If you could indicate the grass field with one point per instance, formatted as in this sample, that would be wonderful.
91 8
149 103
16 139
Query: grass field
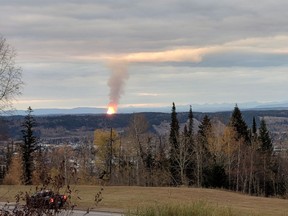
120 198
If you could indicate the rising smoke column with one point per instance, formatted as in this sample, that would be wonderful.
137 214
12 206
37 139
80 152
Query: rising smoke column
119 68
116 82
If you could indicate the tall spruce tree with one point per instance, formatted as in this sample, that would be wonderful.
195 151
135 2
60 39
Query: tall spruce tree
203 156
269 166
205 128
253 132
189 137
174 147
240 126
28 147
254 126
264 137
190 124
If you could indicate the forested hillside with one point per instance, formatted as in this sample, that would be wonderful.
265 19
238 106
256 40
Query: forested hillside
79 125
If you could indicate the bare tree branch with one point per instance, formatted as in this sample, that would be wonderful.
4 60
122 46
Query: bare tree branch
10 75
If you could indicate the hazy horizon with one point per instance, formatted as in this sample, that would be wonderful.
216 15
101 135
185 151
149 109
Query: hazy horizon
166 109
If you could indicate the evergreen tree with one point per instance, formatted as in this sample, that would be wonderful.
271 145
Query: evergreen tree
254 126
205 128
28 147
190 124
174 147
174 128
268 164
240 126
264 137
253 132
189 137
203 156
213 173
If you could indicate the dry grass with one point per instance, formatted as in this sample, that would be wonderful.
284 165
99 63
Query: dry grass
121 198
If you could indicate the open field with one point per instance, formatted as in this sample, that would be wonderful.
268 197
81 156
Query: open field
121 198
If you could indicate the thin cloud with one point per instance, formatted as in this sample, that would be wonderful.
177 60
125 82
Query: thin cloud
262 45
149 94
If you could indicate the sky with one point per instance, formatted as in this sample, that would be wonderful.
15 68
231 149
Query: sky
148 53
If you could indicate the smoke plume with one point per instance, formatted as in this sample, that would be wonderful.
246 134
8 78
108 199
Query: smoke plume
116 82
119 66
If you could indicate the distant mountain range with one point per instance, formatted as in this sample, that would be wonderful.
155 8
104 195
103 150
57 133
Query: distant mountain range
181 108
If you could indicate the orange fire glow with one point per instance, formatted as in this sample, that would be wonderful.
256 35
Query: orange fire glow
111 110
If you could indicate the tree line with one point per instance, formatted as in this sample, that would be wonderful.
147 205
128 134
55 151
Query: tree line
239 158
235 157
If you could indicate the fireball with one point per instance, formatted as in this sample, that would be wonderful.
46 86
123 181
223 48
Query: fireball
111 110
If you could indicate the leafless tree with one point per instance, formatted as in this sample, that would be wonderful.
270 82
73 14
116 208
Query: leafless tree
10 75
138 137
